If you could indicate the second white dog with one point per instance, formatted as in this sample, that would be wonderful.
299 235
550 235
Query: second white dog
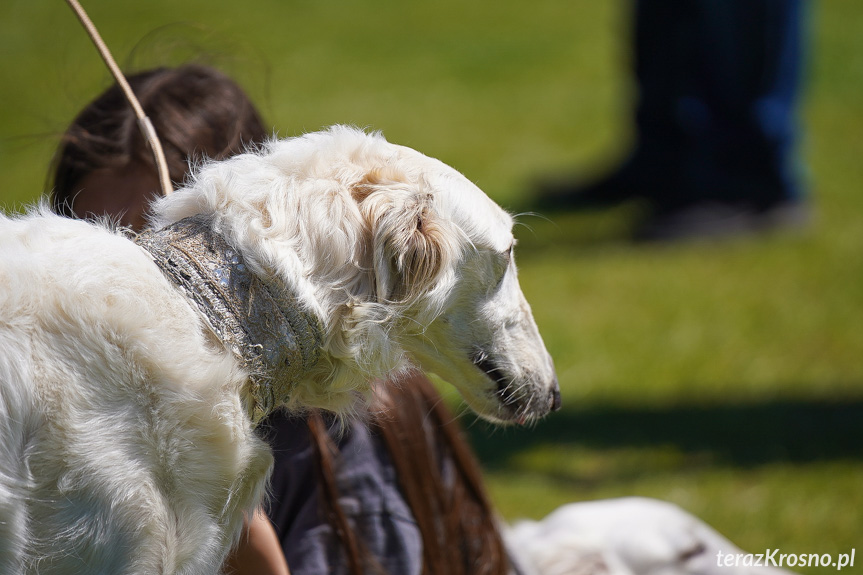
131 374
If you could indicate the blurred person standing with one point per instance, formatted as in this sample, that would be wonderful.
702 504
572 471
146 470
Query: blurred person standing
716 127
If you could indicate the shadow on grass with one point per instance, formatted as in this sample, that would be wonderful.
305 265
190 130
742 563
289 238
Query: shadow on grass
783 431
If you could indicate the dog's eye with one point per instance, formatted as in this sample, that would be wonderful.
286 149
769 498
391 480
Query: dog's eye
502 265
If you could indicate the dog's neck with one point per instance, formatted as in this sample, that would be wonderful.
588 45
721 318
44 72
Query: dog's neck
256 320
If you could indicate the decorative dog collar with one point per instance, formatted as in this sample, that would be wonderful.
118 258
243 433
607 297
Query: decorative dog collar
257 320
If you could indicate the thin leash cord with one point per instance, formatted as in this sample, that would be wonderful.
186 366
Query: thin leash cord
144 123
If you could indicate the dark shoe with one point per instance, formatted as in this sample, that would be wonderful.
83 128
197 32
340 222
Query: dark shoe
647 175
569 194
719 220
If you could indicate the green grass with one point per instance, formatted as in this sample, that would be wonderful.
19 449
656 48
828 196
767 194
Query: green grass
724 377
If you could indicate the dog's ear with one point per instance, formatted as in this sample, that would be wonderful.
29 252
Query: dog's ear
410 243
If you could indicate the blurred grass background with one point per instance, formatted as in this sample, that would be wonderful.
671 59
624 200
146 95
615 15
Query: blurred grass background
725 377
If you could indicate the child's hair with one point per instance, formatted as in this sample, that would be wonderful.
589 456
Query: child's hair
197 111
432 457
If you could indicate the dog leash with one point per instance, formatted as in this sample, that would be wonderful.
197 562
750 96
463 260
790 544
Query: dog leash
144 123
260 324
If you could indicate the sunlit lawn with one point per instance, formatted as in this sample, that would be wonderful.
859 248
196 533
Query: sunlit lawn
727 378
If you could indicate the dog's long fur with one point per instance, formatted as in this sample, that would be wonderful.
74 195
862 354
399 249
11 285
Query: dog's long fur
125 445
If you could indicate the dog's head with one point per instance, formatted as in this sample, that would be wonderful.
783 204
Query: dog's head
404 260
442 252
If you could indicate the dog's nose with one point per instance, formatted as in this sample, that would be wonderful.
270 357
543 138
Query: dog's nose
554 398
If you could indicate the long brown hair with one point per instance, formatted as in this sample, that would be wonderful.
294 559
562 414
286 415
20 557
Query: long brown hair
438 476
442 482
197 111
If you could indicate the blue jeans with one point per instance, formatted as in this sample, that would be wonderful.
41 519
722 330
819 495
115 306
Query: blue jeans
718 90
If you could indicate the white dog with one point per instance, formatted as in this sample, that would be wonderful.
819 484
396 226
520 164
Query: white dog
133 371
628 536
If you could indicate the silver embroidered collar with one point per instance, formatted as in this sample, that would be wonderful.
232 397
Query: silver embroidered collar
258 321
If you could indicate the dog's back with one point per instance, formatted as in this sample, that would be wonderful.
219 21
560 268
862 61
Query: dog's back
121 432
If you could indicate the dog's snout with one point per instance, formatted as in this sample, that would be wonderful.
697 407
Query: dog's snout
554 398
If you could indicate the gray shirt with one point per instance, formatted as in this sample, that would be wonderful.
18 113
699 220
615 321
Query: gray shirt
368 494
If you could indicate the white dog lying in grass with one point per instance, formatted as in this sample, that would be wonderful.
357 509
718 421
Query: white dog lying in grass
132 371
629 536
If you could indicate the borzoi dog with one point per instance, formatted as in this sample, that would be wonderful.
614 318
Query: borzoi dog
134 369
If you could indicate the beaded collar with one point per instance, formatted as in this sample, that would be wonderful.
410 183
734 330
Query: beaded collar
258 321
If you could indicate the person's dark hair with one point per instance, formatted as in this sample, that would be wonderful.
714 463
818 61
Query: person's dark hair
439 478
432 457
197 112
